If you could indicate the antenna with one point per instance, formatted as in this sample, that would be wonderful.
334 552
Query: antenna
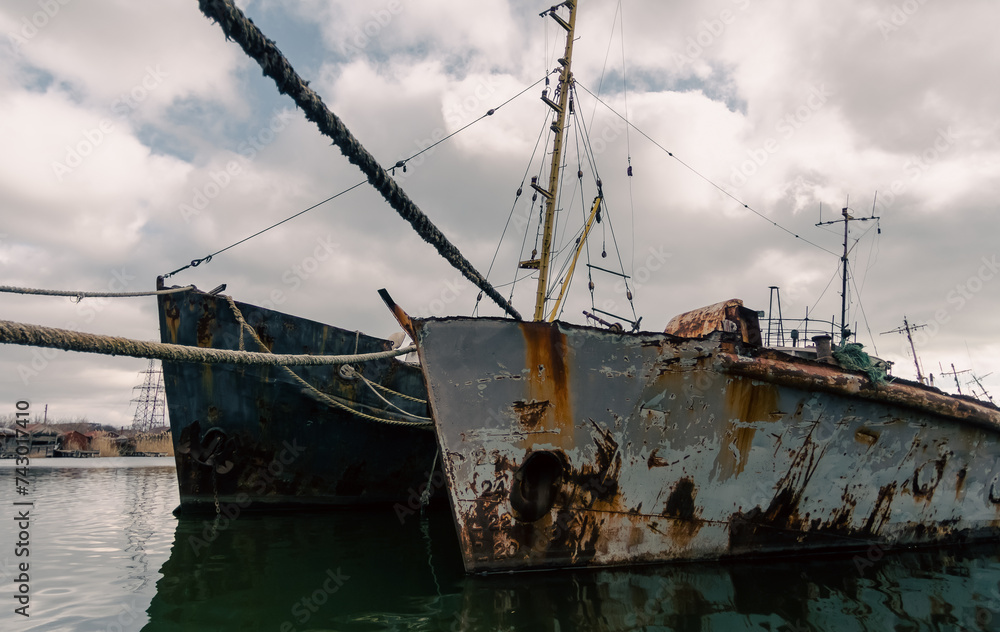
908 328
845 332
954 374
977 379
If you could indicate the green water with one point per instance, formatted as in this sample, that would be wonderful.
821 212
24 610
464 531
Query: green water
106 553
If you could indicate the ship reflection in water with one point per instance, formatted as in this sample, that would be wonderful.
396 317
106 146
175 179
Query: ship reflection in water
108 554
363 570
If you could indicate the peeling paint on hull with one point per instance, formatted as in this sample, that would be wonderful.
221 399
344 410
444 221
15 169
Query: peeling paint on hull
257 439
572 446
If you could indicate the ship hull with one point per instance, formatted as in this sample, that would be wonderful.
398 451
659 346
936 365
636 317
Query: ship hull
573 446
252 438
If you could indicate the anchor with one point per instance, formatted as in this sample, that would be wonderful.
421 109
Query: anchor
212 449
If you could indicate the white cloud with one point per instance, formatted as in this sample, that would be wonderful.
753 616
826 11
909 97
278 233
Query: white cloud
713 82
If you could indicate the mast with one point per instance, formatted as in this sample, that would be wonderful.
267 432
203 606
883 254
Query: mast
550 194
908 328
845 332
981 387
954 374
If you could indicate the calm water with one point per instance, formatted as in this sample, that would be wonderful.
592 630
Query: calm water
106 553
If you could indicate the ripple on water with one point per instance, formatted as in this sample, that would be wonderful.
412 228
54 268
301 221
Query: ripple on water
107 554
100 530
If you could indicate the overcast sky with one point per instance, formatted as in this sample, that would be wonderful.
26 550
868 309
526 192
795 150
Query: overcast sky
136 138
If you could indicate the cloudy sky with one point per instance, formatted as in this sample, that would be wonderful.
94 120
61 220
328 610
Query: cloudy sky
136 138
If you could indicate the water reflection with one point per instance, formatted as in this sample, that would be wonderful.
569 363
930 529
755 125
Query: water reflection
343 570
363 570
106 549
143 492
100 530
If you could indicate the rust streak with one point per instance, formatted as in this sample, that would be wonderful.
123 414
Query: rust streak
746 402
548 378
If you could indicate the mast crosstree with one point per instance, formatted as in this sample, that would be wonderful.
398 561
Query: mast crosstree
845 331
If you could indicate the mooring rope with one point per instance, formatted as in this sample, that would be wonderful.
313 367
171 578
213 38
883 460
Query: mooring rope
425 422
328 399
38 336
354 373
82 295
237 27
386 389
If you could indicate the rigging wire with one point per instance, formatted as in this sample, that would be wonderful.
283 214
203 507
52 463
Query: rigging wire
607 215
868 265
822 294
706 178
628 141
864 317
510 216
401 163
196 262
607 54
489 112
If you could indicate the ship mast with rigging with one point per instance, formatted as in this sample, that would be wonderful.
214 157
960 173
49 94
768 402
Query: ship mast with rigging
550 194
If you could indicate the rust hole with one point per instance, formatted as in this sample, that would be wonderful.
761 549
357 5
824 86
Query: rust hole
680 504
535 485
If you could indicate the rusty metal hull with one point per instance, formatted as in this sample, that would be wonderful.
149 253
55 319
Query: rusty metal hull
572 446
254 438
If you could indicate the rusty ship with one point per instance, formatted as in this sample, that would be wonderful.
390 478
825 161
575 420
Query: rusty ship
260 438
568 445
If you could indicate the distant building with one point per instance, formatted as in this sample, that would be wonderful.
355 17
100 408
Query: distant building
8 443
74 440
43 441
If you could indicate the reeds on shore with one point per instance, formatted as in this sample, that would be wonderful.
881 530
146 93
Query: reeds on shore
159 443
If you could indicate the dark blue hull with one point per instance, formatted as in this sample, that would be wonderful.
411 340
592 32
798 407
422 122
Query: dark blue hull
255 438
